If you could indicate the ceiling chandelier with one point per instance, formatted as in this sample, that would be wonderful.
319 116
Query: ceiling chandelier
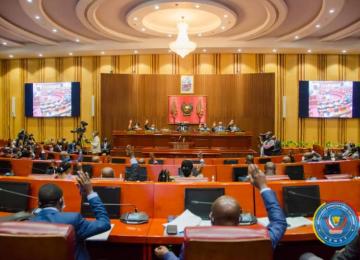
182 46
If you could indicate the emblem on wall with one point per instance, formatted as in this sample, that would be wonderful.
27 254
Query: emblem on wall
186 109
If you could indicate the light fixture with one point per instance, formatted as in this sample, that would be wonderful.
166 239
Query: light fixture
318 26
135 18
143 29
239 50
4 43
40 55
182 46
223 27
70 54
77 40
296 37
309 51
204 50
197 6
102 53
169 35
344 51
11 56
157 7
29 1
274 50
199 34
136 52
37 17
225 16
331 11
54 30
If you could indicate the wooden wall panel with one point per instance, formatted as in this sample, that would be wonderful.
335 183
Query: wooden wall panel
288 69
249 99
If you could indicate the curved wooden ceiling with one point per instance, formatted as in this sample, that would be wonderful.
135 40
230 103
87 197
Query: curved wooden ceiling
91 27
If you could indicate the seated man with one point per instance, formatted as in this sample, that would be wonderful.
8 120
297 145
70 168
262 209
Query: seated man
51 204
225 211
249 159
231 127
133 175
152 159
107 172
220 127
105 146
311 157
270 168
188 170
286 159
203 127
135 127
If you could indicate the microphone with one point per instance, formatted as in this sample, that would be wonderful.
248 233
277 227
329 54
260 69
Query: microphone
201 202
306 196
116 204
18 193
133 218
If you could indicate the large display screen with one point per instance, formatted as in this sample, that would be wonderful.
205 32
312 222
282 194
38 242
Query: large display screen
329 99
55 99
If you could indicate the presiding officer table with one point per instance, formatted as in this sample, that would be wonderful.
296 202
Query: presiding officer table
163 142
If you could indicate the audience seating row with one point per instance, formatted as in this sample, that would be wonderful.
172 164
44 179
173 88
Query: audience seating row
220 172
160 200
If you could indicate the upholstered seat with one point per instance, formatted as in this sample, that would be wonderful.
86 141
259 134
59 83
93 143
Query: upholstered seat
40 241
217 242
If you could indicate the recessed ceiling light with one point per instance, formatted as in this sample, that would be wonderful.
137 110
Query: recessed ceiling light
11 56
29 1
77 40
274 50
157 7
102 53
37 17
318 26
197 6
239 50
135 18
199 34
204 50
344 51
331 11
70 54
4 43
296 37
225 16
223 27
136 52
169 35
40 55
54 30
143 29
309 51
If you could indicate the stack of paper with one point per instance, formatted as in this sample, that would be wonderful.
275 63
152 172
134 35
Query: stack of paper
186 219
293 222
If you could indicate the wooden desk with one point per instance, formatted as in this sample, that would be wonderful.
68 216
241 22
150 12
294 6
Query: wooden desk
235 141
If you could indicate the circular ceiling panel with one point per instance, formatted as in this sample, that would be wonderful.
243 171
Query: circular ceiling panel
207 18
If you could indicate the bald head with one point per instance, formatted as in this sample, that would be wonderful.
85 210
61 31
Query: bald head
107 172
270 168
95 159
225 211
286 159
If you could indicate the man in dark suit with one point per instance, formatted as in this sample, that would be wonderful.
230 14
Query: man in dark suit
225 211
51 204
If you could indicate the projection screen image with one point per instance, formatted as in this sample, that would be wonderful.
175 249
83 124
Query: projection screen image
330 99
52 99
